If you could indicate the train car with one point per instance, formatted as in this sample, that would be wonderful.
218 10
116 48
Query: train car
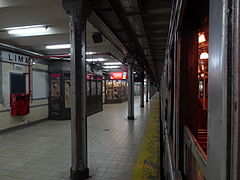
200 92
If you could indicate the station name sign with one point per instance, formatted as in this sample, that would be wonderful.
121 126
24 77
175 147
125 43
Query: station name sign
14 58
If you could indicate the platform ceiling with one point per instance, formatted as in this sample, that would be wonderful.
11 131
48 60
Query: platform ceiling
140 26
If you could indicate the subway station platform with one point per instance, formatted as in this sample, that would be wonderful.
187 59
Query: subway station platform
117 148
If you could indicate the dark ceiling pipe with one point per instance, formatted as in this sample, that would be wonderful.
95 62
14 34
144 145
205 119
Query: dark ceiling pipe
68 56
18 50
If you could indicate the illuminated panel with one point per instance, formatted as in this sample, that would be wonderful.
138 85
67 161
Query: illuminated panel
118 75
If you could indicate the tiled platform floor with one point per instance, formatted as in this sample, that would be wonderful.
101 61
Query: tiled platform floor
42 151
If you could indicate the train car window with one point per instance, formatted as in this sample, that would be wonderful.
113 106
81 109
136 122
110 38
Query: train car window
192 46
202 86
17 83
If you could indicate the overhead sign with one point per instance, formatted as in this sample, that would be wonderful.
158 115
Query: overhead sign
14 58
118 75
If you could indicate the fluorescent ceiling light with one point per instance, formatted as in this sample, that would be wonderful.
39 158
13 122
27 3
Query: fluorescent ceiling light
31 31
112 63
27 30
24 27
58 46
89 53
95 59
111 67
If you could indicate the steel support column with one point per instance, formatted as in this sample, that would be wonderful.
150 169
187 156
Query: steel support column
142 92
77 23
147 87
150 90
130 91
1 82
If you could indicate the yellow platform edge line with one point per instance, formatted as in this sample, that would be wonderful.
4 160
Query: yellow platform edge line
148 164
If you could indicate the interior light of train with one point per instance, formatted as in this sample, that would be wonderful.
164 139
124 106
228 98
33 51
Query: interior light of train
201 38
28 31
112 63
95 59
58 46
111 67
204 55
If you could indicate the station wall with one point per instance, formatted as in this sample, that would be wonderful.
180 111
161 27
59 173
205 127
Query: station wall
39 102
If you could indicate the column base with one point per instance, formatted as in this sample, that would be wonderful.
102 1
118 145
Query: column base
130 117
79 175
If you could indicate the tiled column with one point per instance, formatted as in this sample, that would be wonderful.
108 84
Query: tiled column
77 23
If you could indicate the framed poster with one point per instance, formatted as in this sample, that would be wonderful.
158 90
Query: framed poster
67 94
93 88
55 88
99 88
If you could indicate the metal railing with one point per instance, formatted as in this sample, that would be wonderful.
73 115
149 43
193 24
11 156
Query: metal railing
192 144
170 172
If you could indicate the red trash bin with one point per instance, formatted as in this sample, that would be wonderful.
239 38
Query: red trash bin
19 104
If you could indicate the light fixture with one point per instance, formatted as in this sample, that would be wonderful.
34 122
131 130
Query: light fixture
201 38
202 75
24 27
58 46
27 30
112 63
95 59
204 55
111 67
90 53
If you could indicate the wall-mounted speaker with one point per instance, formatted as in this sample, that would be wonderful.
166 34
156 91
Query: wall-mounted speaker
97 37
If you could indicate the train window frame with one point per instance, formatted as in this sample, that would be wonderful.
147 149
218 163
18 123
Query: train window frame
1 84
